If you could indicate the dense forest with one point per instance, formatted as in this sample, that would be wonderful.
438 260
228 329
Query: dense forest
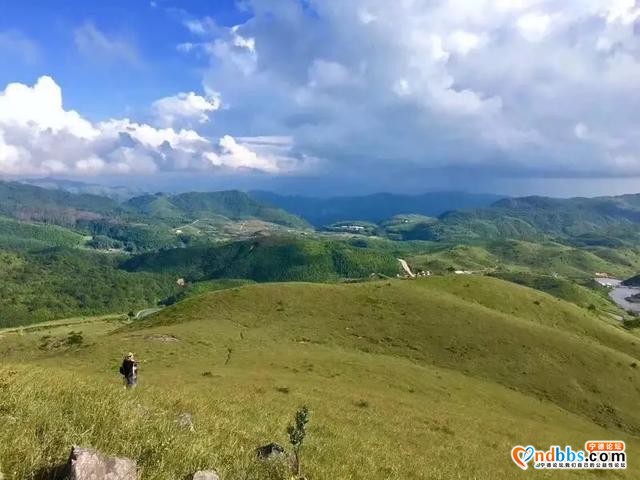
61 282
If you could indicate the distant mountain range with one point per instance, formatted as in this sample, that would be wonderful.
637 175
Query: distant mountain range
29 202
373 208
451 217
119 192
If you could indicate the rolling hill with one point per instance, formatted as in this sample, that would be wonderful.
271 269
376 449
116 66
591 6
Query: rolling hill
231 204
373 208
600 221
548 258
28 202
268 259
400 376
144 223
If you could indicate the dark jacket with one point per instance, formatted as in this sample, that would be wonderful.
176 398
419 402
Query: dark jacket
128 367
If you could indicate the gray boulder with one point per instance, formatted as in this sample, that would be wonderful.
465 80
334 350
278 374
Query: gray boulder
270 451
206 475
89 464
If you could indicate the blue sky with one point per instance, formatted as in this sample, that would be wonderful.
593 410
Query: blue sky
324 96
150 32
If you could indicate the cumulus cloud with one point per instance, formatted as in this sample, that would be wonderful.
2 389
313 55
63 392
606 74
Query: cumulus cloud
268 154
38 136
99 46
185 107
506 84
534 26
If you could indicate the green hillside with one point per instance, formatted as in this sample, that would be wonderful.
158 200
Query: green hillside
60 282
562 271
269 259
232 204
545 258
143 223
19 235
600 221
28 202
401 377
593 297
408 227
134 236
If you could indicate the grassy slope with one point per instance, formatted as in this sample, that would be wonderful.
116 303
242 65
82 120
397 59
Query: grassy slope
593 296
563 271
545 258
430 379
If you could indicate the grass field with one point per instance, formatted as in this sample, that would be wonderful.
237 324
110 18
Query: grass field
519 256
429 379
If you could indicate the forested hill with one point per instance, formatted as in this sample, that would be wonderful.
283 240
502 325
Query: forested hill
57 206
452 217
232 204
609 221
271 259
28 202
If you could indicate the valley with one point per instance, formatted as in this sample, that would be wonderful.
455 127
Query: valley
241 312
319 240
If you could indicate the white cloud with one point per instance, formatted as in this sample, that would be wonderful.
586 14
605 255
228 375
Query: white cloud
185 107
99 46
17 46
324 73
186 47
581 131
196 27
418 84
463 42
243 42
241 156
534 26
39 137
623 11
40 108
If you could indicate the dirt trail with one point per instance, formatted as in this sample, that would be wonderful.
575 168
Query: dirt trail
146 312
405 267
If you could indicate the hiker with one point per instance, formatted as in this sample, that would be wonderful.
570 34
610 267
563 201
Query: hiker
129 370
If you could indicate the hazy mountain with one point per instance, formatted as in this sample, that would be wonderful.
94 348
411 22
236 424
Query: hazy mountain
28 202
119 192
373 208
